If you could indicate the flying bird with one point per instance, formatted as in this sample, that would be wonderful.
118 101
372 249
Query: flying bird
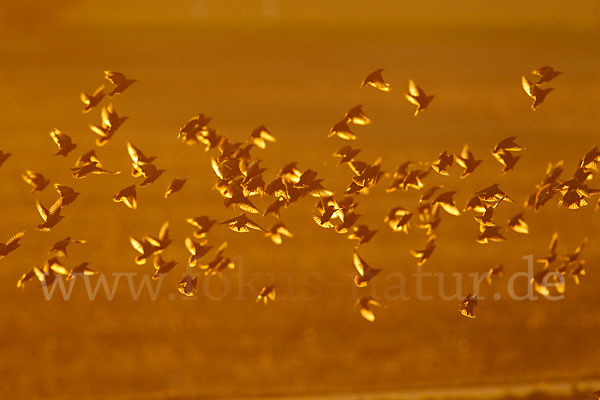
50 216
364 271
162 241
498 271
162 267
356 116
144 247
507 144
66 193
59 249
37 181
277 231
266 295
63 141
4 156
417 96
241 224
127 196
91 101
534 91
120 81
260 136
81 270
467 306
188 285
446 200
202 224
342 130
546 261
518 224
546 74
175 186
489 234
11 244
443 162
364 305
110 123
467 160
197 250
425 254
375 79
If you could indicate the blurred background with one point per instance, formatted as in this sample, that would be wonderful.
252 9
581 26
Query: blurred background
295 67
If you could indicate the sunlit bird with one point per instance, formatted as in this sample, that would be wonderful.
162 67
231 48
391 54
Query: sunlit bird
417 96
197 250
536 93
518 224
467 306
365 305
375 79
91 101
50 216
144 247
342 130
277 232
364 272
66 193
81 270
127 196
188 285
443 162
11 244
120 81
490 234
110 123
202 224
545 73
266 295
63 141
36 180
175 186
59 249
398 218
260 136
91 168
498 271
4 156
356 116
362 234
446 200
507 144
546 261
424 254
162 267
162 241
241 224
467 160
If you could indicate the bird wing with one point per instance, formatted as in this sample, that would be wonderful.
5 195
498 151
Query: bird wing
42 210
15 238
116 78
164 231
133 152
137 245
527 86
190 245
411 99
413 89
359 264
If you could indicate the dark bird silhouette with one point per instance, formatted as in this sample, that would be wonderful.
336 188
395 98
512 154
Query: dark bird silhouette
120 81
127 196
11 245
375 79
37 181
417 96
467 306
364 271
51 217
175 186
63 141
91 101
66 193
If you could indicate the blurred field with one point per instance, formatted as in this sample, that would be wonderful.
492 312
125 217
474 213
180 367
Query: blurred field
298 81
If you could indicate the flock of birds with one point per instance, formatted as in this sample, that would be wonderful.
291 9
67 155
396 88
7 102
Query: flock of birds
240 178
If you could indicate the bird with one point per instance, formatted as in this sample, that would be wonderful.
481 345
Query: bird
575 255
144 247
162 241
467 160
120 81
498 270
91 168
59 249
534 91
137 156
4 156
188 285
425 254
25 277
364 271
63 141
91 101
88 158
507 144
362 234
493 194
219 262
81 270
275 207
127 196
260 136
446 200
266 295
590 158
150 173
241 224
277 231
467 306
197 250
326 213
443 162
11 244
356 116
238 199
417 96
375 79
162 267
346 154
110 123
546 261
546 74
364 305
490 234
486 219
66 193
506 159
518 224
50 216
342 130
37 181
398 219
202 224
175 186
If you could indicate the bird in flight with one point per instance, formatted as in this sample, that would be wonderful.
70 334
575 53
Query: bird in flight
37 181
109 125
66 193
534 91
162 267
202 224
266 295
119 80
175 186
241 224
11 244
260 136
356 116
467 160
59 249
546 74
425 254
50 216
4 156
518 224
197 250
91 101
364 305
277 232
467 306
91 168
188 285
63 141
127 196
375 79
417 97
364 271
